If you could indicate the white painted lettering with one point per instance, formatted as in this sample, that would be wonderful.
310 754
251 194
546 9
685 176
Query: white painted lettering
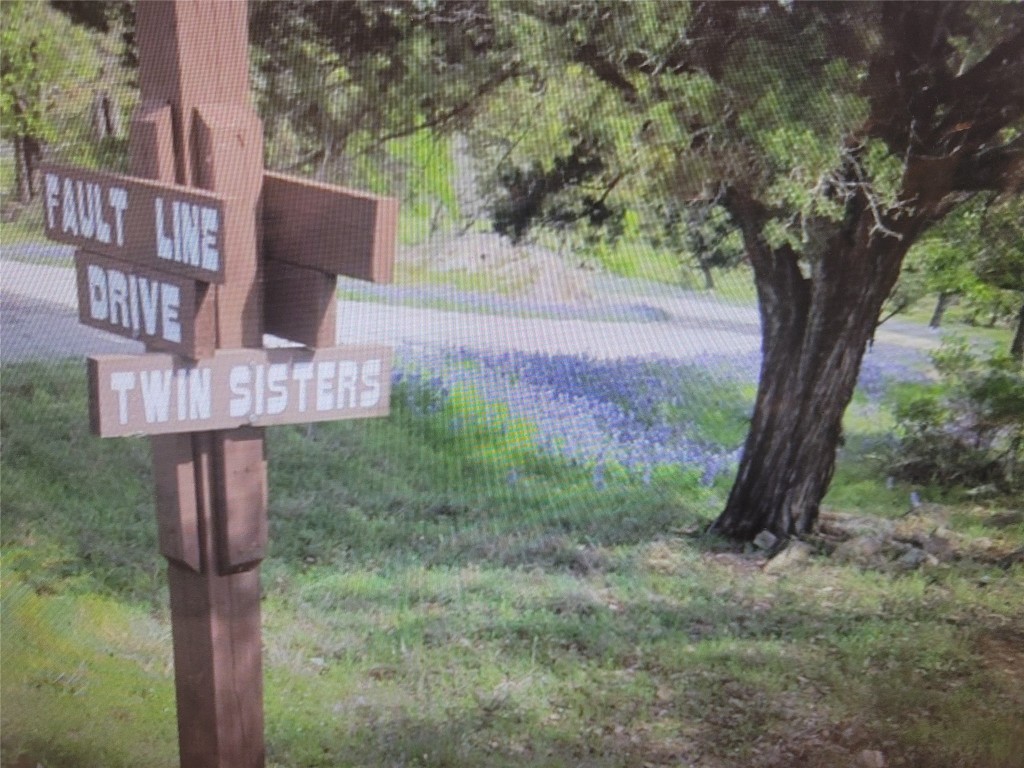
69 214
181 384
117 290
324 386
122 383
149 296
277 387
133 303
96 201
119 202
164 244
170 305
189 234
156 395
348 372
258 390
200 400
208 239
241 398
176 229
86 211
52 183
97 282
302 373
370 395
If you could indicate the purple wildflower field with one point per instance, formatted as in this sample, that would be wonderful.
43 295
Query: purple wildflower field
636 413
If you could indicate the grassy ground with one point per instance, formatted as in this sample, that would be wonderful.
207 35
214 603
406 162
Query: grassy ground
421 609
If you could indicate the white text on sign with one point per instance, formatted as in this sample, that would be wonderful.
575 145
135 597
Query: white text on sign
188 235
155 394
138 303
176 229
134 303
85 209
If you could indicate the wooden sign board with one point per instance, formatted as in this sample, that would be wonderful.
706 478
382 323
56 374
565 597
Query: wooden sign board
158 394
329 229
148 305
178 230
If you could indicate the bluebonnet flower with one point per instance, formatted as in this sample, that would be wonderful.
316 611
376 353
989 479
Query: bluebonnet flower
636 413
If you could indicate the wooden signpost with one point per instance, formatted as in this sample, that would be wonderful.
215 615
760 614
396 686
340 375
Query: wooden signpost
197 254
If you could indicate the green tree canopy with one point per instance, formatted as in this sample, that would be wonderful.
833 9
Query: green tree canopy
50 69
834 134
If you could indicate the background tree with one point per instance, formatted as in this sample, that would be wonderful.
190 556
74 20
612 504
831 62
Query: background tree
1000 260
944 104
52 68
702 233
30 61
368 92
972 255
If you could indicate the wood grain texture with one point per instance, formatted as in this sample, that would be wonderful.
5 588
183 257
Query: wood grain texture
299 304
330 229
151 156
229 160
176 500
240 499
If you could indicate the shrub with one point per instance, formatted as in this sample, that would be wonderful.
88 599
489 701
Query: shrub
968 429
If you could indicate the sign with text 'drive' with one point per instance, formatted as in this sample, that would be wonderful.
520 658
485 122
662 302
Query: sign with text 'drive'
160 393
147 305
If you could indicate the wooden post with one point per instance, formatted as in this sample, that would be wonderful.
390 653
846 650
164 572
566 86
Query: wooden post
182 269
197 122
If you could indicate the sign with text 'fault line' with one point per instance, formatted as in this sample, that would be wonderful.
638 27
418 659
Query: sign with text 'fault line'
158 393
163 226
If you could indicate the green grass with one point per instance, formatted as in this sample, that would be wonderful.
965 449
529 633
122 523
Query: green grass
421 610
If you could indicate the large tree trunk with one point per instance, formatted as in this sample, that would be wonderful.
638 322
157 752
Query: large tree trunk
814 334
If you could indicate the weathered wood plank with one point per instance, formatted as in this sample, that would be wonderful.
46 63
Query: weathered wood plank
330 229
300 304
162 394
160 225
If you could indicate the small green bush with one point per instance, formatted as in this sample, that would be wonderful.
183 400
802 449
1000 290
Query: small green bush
967 430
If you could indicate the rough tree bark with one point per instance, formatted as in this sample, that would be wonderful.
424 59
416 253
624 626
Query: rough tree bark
815 330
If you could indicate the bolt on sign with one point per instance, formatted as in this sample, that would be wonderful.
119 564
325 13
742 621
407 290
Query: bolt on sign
197 255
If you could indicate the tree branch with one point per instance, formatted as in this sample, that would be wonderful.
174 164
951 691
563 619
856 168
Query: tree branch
974 117
1000 169
441 118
